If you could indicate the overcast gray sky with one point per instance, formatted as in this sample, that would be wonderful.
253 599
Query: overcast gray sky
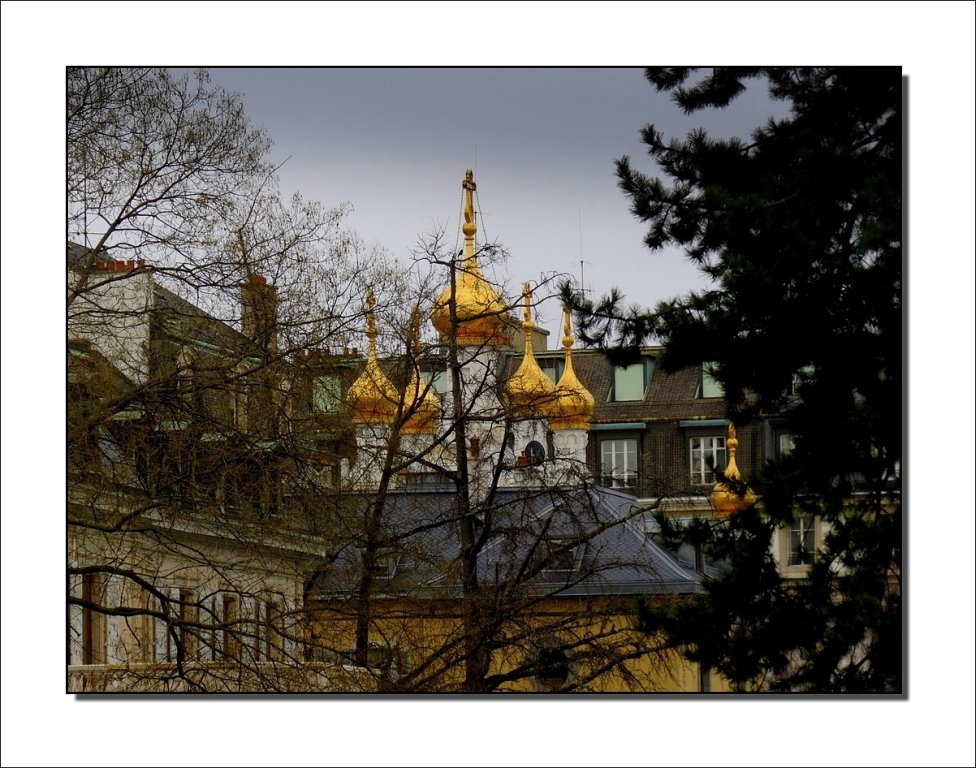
395 143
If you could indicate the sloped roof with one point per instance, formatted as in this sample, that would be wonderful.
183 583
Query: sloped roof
179 318
597 527
669 396
186 321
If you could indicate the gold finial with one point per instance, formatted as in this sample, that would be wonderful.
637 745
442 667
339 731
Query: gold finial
419 397
732 495
470 224
480 311
567 331
529 391
573 405
372 396
732 471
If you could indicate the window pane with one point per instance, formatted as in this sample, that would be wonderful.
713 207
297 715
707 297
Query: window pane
618 463
326 394
628 383
438 377
710 387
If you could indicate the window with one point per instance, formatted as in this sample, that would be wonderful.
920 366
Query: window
554 666
385 562
618 463
553 368
630 382
189 614
440 385
92 622
439 379
800 378
270 630
562 554
802 541
709 386
326 394
165 646
707 456
229 620
704 679
786 444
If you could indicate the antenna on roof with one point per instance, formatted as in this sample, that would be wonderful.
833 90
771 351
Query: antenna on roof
583 291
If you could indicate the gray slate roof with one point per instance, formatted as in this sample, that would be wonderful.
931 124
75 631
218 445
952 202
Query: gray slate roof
595 527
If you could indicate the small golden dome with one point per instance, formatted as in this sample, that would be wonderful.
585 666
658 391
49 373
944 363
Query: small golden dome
734 495
529 392
481 312
372 397
425 405
573 405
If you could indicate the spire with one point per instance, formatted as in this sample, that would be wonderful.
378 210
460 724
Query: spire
573 405
425 405
372 397
732 494
481 315
529 392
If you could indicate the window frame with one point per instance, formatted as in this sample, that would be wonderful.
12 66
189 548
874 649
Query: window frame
806 526
327 394
705 475
791 569
647 366
610 479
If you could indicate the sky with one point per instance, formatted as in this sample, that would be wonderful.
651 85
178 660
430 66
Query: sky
394 143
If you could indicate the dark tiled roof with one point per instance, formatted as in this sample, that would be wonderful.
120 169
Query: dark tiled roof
185 321
669 396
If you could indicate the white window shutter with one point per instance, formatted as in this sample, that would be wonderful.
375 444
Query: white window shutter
207 618
113 599
165 645
289 627
248 625
159 631
218 634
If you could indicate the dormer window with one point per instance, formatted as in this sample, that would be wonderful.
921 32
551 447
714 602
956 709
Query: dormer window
708 385
326 394
630 382
563 554
553 368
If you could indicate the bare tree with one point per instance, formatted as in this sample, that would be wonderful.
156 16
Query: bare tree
191 467
255 505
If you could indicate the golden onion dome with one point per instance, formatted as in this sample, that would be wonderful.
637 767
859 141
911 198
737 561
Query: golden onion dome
529 392
480 310
573 405
424 404
372 397
732 494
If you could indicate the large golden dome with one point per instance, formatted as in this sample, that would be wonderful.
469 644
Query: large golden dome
529 392
480 310
573 405
425 405
372 397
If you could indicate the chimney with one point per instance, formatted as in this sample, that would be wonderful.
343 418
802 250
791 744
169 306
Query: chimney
259 312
